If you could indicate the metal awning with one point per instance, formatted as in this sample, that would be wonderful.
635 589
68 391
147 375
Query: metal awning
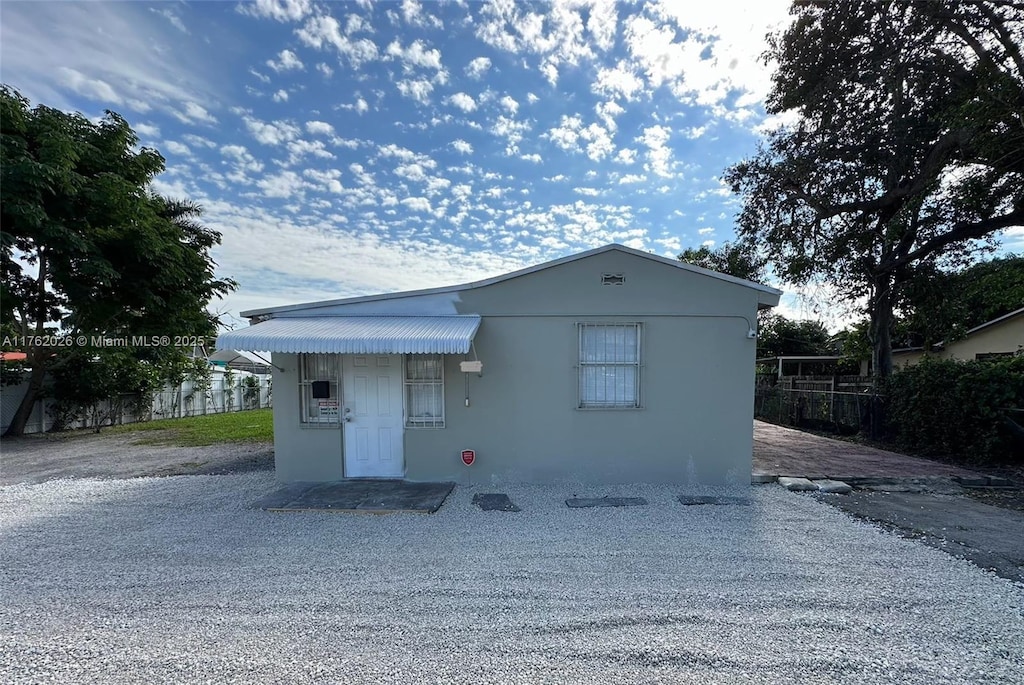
357 335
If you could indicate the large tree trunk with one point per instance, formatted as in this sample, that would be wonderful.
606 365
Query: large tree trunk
880 334
880 331
32 394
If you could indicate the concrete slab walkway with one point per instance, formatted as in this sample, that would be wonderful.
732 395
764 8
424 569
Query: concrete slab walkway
359 496
780 451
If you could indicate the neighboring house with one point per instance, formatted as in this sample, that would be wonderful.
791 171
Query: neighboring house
1000 337
236 360
609 366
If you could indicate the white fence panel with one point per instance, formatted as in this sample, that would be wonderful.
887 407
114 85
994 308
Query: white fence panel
171 402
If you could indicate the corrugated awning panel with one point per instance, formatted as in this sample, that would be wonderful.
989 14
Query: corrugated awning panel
357 335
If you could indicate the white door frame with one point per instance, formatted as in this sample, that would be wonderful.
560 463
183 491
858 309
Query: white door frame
373 417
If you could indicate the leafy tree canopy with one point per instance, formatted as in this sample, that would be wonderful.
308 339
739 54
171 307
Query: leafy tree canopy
907 149
736 259
88 249
779 336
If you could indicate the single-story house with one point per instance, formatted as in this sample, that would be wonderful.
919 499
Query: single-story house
1000 337
608 366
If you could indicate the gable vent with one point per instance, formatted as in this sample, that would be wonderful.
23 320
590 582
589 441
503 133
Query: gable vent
613 279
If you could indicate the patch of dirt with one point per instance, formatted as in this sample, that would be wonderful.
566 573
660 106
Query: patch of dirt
85 454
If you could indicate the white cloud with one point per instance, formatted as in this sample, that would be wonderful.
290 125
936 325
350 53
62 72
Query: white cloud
325 69
361 105
174 147
706 230
509 104
671 243
297 149
281 96
173 18
326 180
566 135
319 128
632 178
589 192
626 156
94 89
512 131
324 31
478 67
362 176
271 133
535 158
412 172
620 81
419 90
194 112
659 155
418 56
602 23
279 10
283 185
531 98
148 130
198 141
413 14
286 61
462 147
463 101
608 111
417 204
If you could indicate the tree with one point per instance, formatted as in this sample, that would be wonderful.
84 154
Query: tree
942 306
907 151
89 251
779 336
736 259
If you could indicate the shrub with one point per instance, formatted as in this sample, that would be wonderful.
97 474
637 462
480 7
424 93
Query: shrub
957 408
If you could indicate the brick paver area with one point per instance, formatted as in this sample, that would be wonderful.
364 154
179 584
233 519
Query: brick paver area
780 451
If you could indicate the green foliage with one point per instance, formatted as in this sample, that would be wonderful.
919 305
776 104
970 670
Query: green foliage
956 408
907 148
250 392
779 336
107 257
942 306
99 386
212 429
736 259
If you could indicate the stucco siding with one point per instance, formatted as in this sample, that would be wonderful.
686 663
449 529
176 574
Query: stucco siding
1003 337
523 421
301 453
575 287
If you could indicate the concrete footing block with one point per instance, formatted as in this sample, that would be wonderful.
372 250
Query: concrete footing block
797 484
833 487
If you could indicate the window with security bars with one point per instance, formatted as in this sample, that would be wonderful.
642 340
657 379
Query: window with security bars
424 391
319 380
609 368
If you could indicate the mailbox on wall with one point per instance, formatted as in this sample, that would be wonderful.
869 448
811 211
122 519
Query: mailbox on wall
321 390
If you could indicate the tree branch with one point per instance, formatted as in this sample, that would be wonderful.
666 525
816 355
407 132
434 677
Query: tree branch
961 231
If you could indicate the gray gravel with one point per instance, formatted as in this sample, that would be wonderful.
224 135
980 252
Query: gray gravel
83 454
178 580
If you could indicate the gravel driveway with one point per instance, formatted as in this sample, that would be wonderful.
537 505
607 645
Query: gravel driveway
178 580
84 454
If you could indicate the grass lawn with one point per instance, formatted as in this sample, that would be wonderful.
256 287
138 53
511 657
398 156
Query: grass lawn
255 425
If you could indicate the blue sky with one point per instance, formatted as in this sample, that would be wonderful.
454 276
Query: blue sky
353 148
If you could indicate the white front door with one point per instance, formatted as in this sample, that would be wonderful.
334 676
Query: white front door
372 412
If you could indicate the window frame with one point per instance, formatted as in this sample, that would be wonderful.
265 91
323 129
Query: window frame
305 386
638 365
424 423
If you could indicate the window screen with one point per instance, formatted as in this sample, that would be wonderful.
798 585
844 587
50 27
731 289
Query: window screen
424 391
609 369
319 399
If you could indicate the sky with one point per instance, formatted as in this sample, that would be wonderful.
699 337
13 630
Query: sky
354 148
